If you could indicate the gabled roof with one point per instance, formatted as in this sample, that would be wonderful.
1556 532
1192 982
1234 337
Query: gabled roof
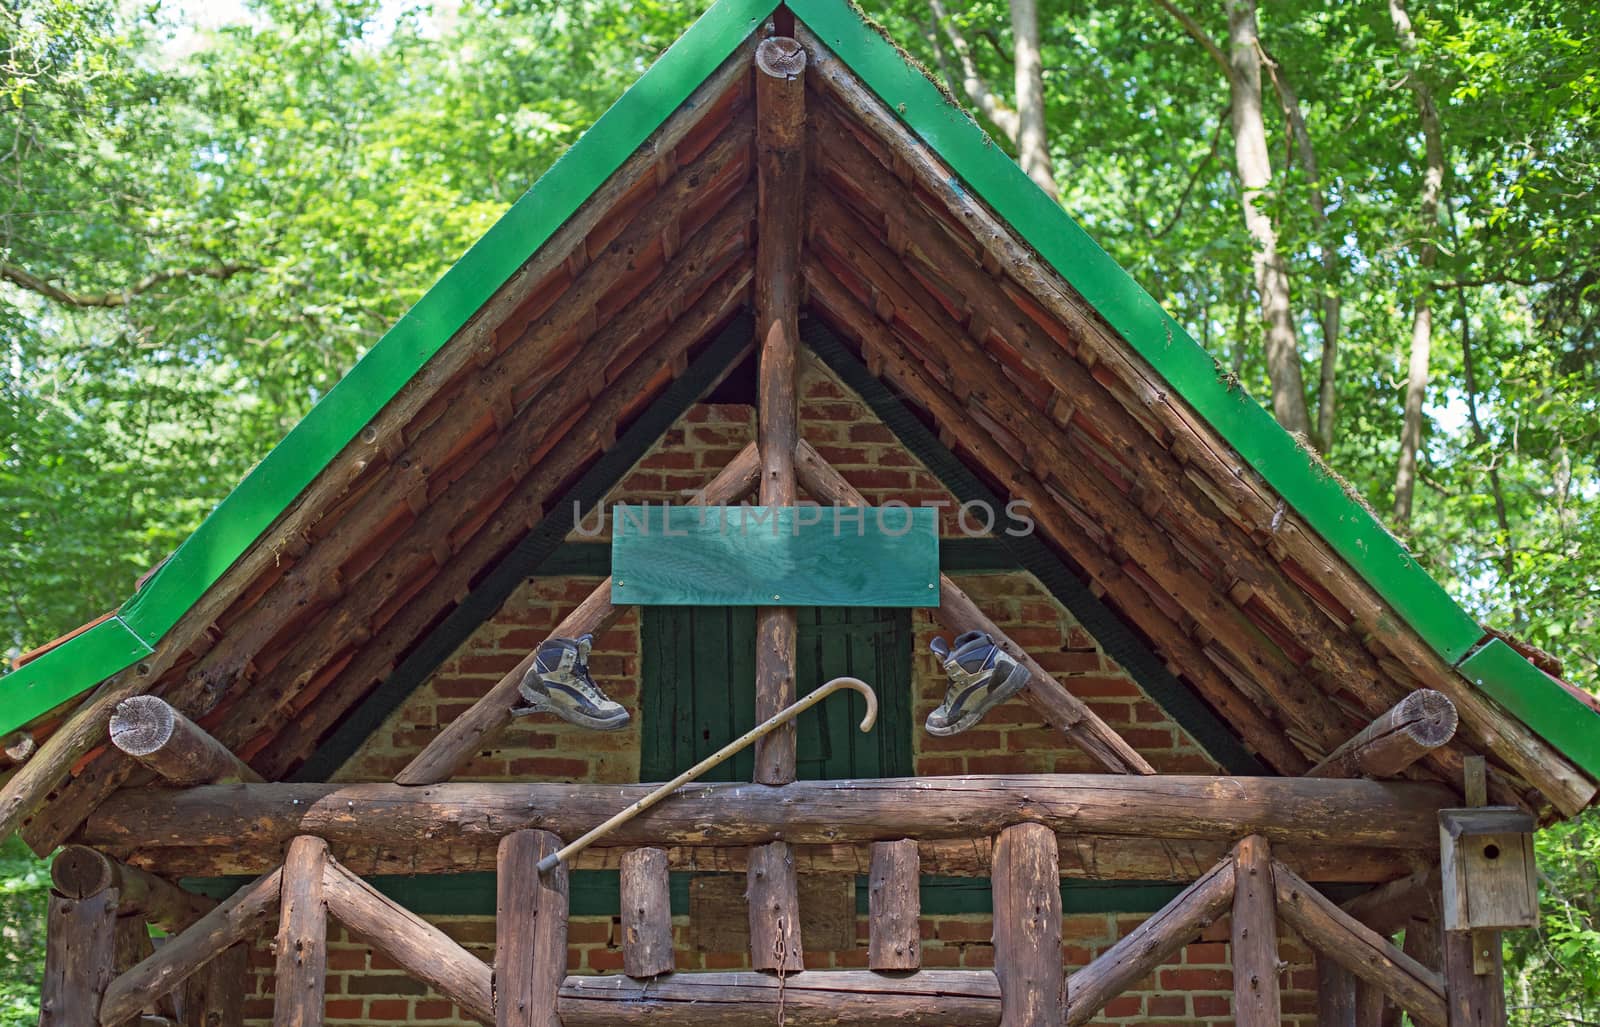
1287 606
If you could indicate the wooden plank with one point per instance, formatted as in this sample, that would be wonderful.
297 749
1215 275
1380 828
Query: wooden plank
302 967
1256 1001
1473 998
79 958
1027 927
530 956
646 914
458 815
816 998
761 556
894 904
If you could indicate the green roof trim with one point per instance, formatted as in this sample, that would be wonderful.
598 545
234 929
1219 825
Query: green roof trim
981 168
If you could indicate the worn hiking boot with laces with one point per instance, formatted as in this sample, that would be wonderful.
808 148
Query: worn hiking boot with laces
982 676
559 683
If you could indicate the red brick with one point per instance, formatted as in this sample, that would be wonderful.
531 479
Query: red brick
339 1009
549 767
347 959
1206 954
1197 980
1123 1005
397 1009
1166 1005
434 1009
1211 1005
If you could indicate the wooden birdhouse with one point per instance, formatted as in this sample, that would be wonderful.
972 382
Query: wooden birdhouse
1486 856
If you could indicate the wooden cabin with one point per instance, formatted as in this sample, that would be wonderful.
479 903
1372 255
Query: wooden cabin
1263 769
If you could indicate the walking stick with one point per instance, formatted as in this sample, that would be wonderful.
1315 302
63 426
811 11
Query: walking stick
766 727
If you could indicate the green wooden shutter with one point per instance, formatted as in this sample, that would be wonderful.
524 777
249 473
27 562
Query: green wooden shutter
699 690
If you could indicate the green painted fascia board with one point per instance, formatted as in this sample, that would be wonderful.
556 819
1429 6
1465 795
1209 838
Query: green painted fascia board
74 666
985 170
1563 719
266 492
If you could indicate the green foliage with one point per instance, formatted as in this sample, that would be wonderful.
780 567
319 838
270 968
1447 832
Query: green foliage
24 890
202 229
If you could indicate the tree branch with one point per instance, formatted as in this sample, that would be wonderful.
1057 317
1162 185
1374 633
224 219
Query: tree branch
972 83
1199 35
1194 176
116 297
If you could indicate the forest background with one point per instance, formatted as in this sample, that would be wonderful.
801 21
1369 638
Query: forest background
1381 215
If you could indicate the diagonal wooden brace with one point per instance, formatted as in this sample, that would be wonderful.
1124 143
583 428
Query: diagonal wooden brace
453 746
1082 726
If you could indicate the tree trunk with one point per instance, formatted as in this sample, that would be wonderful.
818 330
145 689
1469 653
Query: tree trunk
1405 481
1033 149
1255 176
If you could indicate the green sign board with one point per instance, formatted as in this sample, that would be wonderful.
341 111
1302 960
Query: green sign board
774 556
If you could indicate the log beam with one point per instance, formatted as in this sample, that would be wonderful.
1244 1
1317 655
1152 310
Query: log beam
181 751
1335 934
79 872
79 958
816 998
530 954
1150 944
418 947
1027 927
958 613
646 914
460 815
487 717
302 968
1256 1001
894 906
1415 726
1095 857
237 919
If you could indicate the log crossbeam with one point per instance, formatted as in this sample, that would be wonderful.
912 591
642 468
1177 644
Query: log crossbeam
1415 726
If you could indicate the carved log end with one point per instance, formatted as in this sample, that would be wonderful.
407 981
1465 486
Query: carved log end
1430 717
142 724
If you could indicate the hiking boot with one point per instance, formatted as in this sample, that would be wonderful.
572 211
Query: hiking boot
559 683
982 676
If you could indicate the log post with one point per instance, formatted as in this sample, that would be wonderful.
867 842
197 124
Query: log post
780 64
646 914
1408 731
1255 935
773 894
894 903
530 955
79 958
1336 994
487 717
958 613
215 996
183 753
1474 973
421 949
302 970
79 872
1151 943
1027 927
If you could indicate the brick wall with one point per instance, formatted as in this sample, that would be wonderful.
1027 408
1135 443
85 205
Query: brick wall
363 989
